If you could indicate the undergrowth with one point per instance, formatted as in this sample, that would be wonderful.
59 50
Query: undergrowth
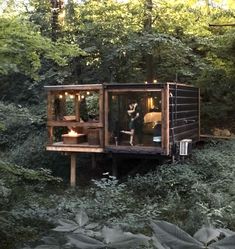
198 192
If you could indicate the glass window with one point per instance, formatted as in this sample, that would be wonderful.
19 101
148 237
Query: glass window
82 106
134 118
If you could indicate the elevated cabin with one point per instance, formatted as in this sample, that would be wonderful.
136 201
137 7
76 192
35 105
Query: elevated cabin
96 118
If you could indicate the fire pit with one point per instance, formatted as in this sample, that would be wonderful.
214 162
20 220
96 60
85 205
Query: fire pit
73 138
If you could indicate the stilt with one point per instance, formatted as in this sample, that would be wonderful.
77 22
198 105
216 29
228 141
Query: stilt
114 167
93 161
73 170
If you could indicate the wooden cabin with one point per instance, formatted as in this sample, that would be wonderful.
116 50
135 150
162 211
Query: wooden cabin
97 118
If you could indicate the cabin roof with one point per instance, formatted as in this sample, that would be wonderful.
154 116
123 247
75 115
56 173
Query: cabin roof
112 85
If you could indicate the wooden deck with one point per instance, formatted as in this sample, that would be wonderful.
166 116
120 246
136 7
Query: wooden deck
81 147
144 150
84 147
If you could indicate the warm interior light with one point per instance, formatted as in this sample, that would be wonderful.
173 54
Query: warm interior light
66 93
71 96
155 81
146 82
61 96
72 133
150 103
88 93
82 96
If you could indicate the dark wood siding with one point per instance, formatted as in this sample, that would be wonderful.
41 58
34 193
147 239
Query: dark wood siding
184 113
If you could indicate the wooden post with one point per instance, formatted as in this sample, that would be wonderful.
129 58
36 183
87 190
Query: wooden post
101 117
114 167
49 106
165 120
199 114
167 113
106 123
93 161
77 107
73 170
50 134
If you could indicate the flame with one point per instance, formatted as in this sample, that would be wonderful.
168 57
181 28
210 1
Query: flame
72 133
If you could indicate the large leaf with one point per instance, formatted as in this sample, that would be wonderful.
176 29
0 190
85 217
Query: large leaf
227 243
92 226
66 226
81 218
173 237
47 247
84 242
226 232
116 238
157 243
49 240
207 235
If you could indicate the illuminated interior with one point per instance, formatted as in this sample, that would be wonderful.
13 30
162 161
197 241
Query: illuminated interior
134 118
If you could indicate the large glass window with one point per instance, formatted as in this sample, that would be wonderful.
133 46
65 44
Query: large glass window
134 118
82 106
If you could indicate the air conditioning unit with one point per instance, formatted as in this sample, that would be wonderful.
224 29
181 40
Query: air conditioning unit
185 147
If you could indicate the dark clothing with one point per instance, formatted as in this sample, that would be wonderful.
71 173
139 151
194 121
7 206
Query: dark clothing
136 123
132 124
134 118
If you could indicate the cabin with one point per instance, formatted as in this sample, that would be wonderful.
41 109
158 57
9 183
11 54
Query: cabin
122 118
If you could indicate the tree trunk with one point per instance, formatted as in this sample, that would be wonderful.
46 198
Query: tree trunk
148 29
57 7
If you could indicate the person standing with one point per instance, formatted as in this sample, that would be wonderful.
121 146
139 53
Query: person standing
133 113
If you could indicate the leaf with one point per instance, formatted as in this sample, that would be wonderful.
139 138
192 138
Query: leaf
66 226
92 226
84 242
49 240
82 218
116 238
173 237
227 243
207 235
47 247
226 232
157 244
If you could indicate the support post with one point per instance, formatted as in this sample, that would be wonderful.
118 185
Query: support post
73 170
93 161
77 107
114 167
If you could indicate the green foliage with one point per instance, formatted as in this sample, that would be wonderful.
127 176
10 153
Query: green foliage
23 47
116 44
109 198
188 195
20 188
17 122
167 235
92 102
42 175
195 193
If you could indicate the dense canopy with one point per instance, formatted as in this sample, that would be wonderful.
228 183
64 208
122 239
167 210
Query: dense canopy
54 42
59 42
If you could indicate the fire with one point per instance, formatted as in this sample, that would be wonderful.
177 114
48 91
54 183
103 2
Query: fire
72 133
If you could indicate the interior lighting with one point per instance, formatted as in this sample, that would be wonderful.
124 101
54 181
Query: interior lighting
60 96
88 93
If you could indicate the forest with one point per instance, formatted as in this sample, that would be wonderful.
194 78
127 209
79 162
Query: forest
189 204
